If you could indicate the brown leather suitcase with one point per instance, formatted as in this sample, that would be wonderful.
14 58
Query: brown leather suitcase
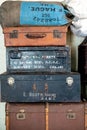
49 116
35 36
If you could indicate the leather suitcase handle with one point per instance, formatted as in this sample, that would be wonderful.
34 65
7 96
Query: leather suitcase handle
35 35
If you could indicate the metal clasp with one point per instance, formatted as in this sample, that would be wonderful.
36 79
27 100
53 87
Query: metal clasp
20 115
14 34
71 115
56 34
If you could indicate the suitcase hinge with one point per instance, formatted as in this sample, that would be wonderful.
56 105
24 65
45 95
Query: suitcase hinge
14 34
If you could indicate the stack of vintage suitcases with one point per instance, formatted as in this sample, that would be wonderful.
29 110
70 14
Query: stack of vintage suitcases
40 91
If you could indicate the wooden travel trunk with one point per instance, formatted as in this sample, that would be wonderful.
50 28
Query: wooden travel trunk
40 87
35 36
69 116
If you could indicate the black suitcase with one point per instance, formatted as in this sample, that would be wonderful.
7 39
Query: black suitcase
82 58
38 59
38 87
82 67
84 90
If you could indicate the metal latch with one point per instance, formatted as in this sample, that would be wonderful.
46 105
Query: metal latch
14 34
56 34
11 81
71 115
21 115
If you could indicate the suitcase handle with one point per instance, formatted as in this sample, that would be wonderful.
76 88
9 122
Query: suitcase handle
35 35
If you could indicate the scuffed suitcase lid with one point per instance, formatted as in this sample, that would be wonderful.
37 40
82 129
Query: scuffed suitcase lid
66 107
25 107
41 107
39 76
35 29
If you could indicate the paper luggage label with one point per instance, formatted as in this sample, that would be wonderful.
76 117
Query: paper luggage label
41 13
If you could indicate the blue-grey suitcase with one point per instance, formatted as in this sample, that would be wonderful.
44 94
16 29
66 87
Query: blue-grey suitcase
40 87
38 59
